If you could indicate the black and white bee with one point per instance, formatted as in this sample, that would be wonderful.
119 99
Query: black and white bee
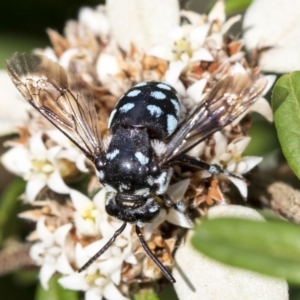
147 139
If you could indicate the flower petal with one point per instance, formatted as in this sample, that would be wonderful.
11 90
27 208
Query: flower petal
241 185
56 183
195 90
17 161
198 35
161 51
93 294
217 12
110 292
251 162
177 190
37 147
61 233
230 22
80 201
44 233
75 282
46 272
13 111
174 71
263 107
202 55
179 219
132 21
63 266
99 200
106 67
263 29
94 19
240 145
33 187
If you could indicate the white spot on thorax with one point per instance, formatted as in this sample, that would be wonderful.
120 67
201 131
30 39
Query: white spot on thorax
143 192
126 107
154 208
150 180
100 174
155 110
171 123
124 187
111 117
158 95
140 223
109 188
163 181
133 93
158 146
176 106
164 86
180 206
113 154
143 160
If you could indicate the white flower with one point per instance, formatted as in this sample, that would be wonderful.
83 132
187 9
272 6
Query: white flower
96 286
192 43
141 22
51 253
275 28
229 156
37 165
262 105
95 20
68 150
89 214
99 279
14 110
91 219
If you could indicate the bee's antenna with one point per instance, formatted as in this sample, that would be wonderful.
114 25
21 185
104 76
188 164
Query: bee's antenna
103 249
152 256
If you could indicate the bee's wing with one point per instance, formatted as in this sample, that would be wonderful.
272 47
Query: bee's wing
47 87
227 100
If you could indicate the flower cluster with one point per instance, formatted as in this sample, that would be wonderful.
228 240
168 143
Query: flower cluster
191 52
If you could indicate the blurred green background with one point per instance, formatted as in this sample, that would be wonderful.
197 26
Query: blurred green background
23 22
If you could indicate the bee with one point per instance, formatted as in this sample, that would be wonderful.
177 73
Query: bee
147 139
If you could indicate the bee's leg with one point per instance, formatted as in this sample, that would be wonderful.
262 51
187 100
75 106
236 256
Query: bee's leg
211 168
167 200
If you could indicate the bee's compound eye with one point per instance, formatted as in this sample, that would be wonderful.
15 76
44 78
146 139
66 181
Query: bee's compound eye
100 163
154 168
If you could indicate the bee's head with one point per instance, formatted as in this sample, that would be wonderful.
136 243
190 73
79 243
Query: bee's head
132 208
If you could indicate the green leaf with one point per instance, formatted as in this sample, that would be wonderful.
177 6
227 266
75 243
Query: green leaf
147 295
168 293
271 248
233 6
25 277
8 203
286 109
55 292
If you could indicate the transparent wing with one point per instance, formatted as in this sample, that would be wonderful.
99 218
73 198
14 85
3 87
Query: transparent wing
48 88
227 100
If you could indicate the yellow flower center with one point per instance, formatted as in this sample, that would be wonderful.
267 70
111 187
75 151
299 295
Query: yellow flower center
89 213
237 157
182 49
42 166
91 278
